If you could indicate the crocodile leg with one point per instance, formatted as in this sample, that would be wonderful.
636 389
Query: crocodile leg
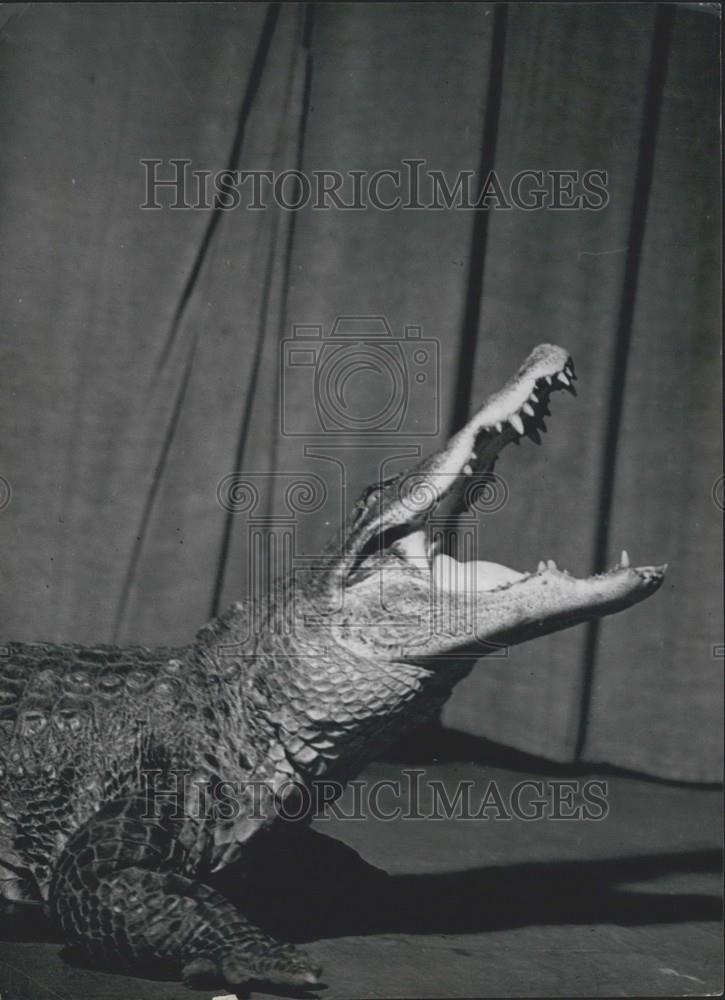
116 893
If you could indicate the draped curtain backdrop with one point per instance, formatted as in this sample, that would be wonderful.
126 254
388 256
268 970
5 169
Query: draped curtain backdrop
141 349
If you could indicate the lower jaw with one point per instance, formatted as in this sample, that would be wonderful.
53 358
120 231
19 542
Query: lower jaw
475 576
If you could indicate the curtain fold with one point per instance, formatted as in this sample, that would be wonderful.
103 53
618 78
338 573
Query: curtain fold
145 355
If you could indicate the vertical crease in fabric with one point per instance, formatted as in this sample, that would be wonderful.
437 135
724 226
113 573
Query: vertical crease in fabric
661 38
479 233
265 306
250 92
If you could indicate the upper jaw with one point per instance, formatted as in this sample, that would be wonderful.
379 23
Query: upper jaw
515 410
440 484
443 485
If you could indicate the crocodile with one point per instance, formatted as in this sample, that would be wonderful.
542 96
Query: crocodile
362 646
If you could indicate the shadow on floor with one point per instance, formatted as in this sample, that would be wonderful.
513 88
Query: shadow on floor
435 743
302 885
321 888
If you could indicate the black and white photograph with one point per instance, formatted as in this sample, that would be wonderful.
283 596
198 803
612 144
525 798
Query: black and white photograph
361 500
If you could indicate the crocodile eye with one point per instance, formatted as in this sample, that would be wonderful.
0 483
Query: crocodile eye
372 493
365 501
370 497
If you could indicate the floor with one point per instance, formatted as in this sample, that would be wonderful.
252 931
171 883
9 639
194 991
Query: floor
627 904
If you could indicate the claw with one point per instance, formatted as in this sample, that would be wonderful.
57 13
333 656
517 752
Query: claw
199 970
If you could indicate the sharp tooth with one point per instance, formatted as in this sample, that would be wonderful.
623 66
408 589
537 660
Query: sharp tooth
541 567
550 564
563 378
528 408
499 427
624 559
533 397
549 379
472 456
517 423
534 435
467 469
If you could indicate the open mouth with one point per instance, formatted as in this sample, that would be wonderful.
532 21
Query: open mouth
446 484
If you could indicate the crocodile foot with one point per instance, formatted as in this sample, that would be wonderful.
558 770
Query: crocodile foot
283 965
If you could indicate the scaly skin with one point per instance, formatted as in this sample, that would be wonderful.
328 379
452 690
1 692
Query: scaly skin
99 743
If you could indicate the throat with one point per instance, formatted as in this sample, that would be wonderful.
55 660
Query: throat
356 705
449 574
474 576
